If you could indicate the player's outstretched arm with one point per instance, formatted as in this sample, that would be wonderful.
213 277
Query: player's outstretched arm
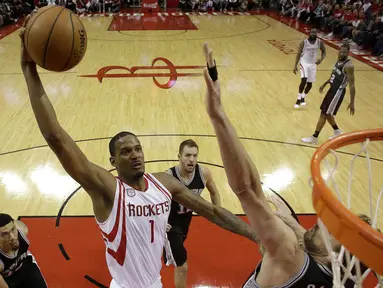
242 174
211 187
216 214
95 180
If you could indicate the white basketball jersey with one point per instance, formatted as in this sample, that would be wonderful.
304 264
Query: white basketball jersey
310 52
134 234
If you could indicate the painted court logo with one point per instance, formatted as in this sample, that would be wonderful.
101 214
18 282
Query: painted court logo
135 72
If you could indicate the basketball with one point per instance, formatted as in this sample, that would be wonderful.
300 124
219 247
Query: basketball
55 38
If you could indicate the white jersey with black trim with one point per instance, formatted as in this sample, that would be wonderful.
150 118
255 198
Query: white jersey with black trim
310 52
134 234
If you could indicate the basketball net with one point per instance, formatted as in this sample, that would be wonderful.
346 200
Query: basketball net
344 265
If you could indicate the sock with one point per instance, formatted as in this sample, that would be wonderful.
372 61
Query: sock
303 96
316 134
299 96
335 127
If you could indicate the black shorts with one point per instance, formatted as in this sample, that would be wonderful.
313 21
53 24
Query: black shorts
177 236
332 101
28 276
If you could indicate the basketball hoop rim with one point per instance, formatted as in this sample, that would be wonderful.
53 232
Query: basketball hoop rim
339 220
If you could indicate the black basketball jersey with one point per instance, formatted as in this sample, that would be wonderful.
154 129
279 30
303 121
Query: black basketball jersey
312 275
196 184
12 264
339 79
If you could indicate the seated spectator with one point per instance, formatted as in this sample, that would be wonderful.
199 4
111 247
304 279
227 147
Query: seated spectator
304 10
357 4
351 23
335 20
367 39
316 15
366 8
287 7
327 13
70 5
364 24
378 48
233 4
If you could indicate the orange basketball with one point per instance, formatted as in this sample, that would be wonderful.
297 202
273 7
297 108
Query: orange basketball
55 38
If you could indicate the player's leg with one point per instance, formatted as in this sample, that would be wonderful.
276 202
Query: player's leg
313 139
311 77
176 239
302 85
326 109
337 131
180 273
338 99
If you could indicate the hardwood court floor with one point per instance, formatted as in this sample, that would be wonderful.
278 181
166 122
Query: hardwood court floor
255 54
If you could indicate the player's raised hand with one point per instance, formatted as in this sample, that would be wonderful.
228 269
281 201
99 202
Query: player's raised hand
281 207
213 92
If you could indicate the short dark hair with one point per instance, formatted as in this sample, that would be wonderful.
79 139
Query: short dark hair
112 142
345 45
5 219
189 143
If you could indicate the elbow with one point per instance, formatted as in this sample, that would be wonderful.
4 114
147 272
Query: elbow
54 140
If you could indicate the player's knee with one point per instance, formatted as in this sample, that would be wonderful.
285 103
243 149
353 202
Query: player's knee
183 269
302 85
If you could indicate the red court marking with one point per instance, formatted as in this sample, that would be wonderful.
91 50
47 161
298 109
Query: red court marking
152 22
217 258
130 72
9 29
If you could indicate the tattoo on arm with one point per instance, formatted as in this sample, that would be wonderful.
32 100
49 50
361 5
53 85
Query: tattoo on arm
231 222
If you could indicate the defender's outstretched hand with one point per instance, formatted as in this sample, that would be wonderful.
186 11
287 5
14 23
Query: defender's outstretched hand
213 93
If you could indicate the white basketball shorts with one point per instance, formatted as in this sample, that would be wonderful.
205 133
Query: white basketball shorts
308 71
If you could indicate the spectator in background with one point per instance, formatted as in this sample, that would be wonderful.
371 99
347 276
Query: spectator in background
70 5
367 39
316 15
364 24
333 20
351 21
287 6
327 13
304 10
378 48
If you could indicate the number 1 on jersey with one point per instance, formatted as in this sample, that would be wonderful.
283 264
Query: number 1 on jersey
151 231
